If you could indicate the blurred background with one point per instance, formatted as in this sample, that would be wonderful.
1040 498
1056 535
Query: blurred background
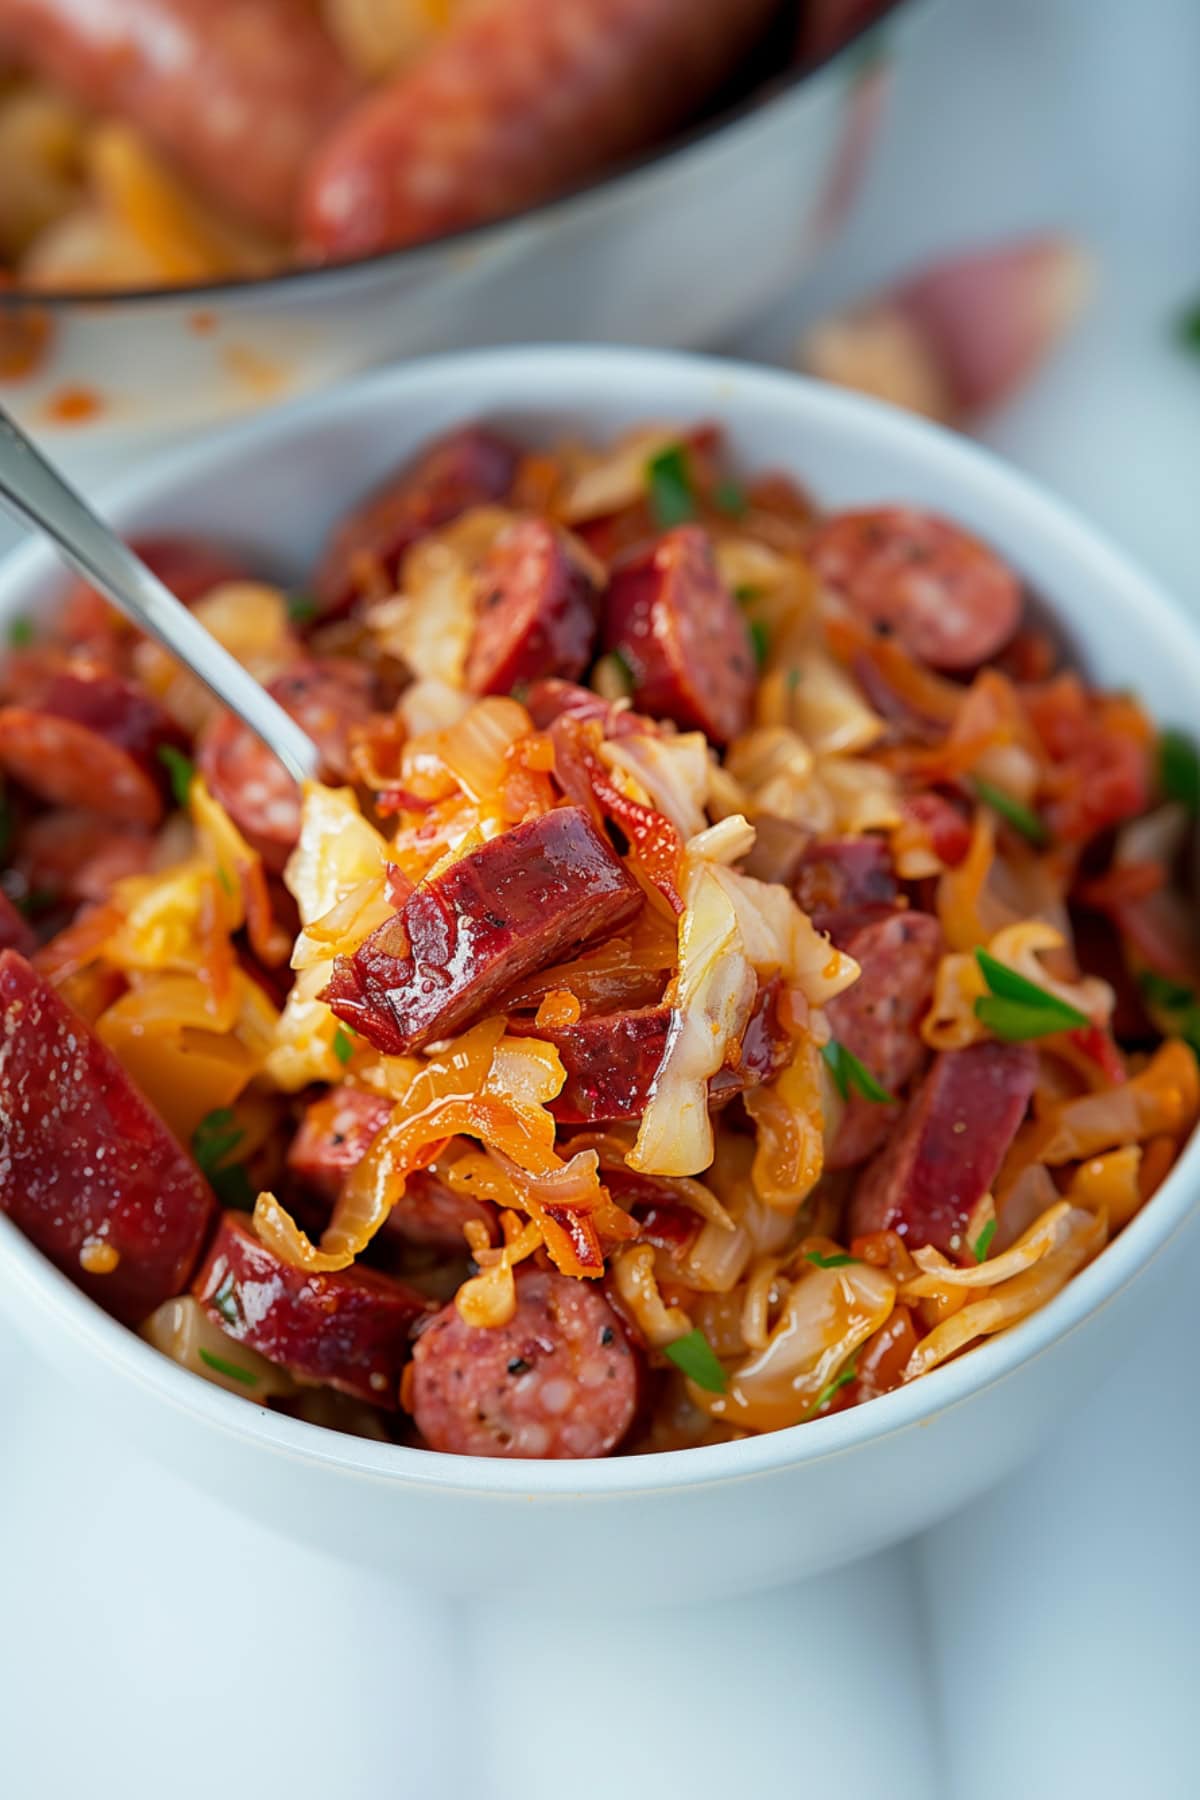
987 209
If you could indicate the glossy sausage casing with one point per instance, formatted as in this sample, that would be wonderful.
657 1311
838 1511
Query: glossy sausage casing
520 902
237 93
537 610
521 99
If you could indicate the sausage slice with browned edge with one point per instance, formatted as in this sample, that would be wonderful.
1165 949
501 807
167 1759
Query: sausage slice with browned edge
335 1134
680 633
949 599
948 1148
327 698
522 901
879 1019
88 1171
843 874
537 610
559 1380
470 466
83 737
351 1329
237 93
518 101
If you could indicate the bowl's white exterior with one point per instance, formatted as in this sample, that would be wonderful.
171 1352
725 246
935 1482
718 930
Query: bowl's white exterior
678 251
702 1522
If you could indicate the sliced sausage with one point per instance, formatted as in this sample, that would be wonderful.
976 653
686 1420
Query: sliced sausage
83 737
337 1131
236 92
16 933
87 1171
559 1380
554 699
520 902
351 1329
79 856
612 1059
188 566
949 599
328 698
517 102
945 824
537 610
470 466
948 1148
878 1019
679 631
837 875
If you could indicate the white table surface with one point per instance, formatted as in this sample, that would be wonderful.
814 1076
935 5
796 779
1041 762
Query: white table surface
1043 1645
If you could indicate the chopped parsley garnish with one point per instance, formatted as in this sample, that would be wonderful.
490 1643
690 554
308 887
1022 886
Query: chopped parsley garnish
302 608
844 1374
983 1242
839 1261
669 479
614 667
1022 818
1188 327
849 1073
214 1141
20 632
1179 769
225 1301
1015 1009
234 1371
1176 1008
180 771
761 640
698 1360
343 1049
730 497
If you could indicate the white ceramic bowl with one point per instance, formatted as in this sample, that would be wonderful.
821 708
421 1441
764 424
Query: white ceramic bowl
696 1523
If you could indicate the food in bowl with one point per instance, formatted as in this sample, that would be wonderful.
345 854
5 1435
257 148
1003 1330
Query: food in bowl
732 965
152 142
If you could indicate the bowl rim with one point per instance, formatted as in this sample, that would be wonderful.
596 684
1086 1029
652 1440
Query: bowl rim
772 91
570 378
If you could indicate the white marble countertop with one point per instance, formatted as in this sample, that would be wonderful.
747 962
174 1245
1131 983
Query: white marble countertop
1044 1644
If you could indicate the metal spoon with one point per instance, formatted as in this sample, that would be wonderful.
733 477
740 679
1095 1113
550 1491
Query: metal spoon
34 490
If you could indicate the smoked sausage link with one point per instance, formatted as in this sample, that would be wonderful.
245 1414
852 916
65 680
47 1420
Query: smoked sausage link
87 1171
677 628
519 101
82 737
879 1018
559 1380
948 1148
327 698
470 466
948 598
351 1329
842 874
519 903
537 610
236 92
335 1135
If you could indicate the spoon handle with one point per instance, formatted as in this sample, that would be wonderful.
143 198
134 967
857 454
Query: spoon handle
32 489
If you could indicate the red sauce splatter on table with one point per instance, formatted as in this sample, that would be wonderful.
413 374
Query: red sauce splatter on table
203 323
74 405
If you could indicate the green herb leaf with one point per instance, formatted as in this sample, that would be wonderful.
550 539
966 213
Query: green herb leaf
829 1262
215 1138
669 479
1179 769
612 676
1175 1008
624 668
233 1188
20 632
849 1073
225 1301
1188 327
761 640
1022 818
844 1374
730 497
983 1242
745 592
343 1049
233 1370
302 608
180 771
698 1360
226 880
1016 1009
